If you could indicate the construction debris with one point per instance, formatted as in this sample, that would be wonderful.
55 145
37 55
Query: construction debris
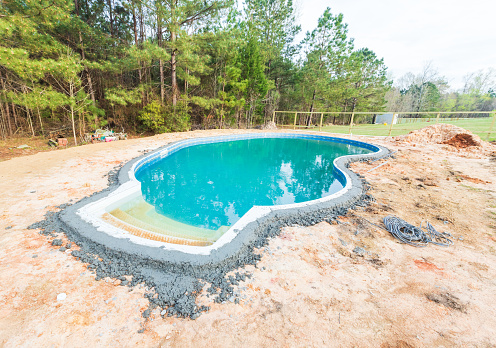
107 135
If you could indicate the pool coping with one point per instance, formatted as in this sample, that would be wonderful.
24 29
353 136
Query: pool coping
242 234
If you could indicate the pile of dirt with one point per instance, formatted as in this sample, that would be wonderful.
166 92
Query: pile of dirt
454 139
462 140
442 134
269 126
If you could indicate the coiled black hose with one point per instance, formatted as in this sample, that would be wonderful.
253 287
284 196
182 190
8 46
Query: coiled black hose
416 236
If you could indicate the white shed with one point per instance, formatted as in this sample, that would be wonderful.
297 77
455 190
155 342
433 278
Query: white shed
386 118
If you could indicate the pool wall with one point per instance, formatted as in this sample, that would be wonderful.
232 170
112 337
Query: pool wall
82 218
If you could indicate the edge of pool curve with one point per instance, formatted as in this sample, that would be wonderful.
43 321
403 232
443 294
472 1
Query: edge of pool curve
246 231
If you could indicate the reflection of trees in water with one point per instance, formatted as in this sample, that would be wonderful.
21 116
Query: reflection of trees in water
215 184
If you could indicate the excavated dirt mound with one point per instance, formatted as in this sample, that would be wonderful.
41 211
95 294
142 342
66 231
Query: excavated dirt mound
442 134
451 138
462 140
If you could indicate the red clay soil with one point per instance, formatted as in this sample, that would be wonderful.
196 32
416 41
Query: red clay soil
474 180
462 141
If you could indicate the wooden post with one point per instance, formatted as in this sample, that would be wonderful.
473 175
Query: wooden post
294 124
273 115
492 126
351 121
391 125
320 124
437 118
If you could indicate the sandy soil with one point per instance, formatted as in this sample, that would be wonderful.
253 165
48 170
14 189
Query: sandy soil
310 289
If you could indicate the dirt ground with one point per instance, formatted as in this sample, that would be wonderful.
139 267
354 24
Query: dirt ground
310 288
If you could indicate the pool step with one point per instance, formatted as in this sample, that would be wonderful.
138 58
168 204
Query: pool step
146 213
172 230
141 219
151 235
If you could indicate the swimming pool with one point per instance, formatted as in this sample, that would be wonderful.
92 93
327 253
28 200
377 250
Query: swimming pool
211 186
198 195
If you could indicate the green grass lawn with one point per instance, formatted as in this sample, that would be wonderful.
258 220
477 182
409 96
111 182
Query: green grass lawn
479 126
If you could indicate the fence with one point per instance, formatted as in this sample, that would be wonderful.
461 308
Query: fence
391 123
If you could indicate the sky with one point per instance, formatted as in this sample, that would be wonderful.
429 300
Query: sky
458 37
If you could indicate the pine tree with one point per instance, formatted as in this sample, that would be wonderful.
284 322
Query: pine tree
252 70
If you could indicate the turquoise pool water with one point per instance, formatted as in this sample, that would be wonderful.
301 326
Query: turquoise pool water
213 185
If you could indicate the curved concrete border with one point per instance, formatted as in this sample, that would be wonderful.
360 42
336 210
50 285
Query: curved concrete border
242 235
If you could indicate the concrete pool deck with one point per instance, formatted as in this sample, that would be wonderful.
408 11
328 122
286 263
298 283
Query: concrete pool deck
309 287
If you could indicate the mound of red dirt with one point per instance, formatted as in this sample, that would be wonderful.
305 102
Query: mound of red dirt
462 140
442 134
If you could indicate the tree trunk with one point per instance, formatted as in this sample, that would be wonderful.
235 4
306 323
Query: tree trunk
421 97
39 114
111 16
3 126
15 116
92 93
135 29
162 86
83 126
80 124
313 100
28 114
222 106
173 70
88 76
136 43
186 82
142 29
352 110
309 119
173 28
41 122
161 61
135 26
71 92
7 108
30 122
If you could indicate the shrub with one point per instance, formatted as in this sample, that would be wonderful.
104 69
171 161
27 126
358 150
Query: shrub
177 118
162 119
